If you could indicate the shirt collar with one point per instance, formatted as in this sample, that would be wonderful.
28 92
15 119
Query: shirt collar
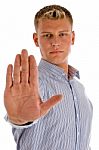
57 71
73 72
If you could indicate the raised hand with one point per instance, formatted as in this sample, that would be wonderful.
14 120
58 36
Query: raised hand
21 95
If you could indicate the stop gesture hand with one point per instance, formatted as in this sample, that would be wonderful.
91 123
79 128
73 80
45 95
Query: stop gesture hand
21 96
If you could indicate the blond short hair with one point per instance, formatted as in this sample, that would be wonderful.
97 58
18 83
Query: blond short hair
52 12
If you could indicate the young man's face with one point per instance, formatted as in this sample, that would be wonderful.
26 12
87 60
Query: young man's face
54 38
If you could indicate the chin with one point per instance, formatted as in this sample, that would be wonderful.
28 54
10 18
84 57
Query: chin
57 62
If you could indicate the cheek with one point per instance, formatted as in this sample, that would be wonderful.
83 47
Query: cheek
69 40
40 42
66 42
43 44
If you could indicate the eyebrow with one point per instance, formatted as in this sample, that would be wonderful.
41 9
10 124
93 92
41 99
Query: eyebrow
45 32
67 31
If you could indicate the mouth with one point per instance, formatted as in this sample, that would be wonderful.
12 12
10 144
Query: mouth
56 52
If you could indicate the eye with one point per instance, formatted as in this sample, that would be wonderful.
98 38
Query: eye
47 35
63 34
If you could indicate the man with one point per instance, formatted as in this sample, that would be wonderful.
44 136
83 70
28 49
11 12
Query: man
47 106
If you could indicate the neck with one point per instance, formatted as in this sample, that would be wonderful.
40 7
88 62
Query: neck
63 66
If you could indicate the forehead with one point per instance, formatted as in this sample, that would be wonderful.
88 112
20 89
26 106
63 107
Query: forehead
50 24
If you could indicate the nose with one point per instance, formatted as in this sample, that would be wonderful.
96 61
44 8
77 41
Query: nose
55 42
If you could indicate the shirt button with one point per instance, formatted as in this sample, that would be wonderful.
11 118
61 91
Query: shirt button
78 133
77 116
75 98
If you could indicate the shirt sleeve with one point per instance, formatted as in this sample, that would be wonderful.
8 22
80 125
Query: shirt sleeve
27 125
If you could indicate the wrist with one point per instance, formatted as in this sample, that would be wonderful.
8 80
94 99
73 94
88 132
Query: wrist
16 121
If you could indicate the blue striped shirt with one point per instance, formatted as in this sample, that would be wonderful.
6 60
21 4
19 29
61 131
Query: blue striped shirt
67 125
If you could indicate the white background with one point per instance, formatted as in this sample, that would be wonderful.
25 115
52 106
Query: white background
16 28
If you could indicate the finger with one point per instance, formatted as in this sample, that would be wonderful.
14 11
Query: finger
46 106
25 66
9 80
33 72
17 69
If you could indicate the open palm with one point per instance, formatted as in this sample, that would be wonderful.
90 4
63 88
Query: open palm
21 95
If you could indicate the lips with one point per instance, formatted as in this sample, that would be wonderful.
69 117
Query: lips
56 52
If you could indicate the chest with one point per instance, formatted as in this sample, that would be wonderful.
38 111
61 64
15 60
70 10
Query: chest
74 103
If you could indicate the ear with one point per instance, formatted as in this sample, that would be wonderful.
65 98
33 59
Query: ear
35 38
73 37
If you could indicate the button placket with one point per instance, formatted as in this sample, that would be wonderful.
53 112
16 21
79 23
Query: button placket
77 116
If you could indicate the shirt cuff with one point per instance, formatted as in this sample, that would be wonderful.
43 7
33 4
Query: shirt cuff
27 125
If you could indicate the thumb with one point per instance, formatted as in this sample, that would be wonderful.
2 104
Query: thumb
46 106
